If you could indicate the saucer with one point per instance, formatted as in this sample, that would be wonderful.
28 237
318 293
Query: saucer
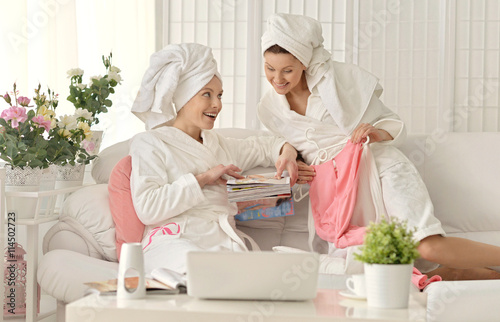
351 295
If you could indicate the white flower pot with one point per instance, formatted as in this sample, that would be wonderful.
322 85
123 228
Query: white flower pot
68 176
388 285
26 180
47 183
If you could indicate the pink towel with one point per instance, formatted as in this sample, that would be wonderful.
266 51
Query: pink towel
333 196
421 281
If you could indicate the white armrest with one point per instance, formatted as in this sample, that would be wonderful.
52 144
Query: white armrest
463 301
61 273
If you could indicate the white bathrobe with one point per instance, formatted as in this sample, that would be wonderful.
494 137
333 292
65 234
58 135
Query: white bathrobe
318 138
165 192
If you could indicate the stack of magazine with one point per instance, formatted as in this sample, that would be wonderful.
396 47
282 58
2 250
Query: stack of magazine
257 186
261 196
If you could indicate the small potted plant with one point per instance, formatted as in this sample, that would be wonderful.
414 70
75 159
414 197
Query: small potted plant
23 148
388 253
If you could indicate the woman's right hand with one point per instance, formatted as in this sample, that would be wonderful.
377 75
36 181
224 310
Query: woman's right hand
306 173
216 175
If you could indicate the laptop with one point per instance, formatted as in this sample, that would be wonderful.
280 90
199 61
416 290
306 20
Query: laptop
252 275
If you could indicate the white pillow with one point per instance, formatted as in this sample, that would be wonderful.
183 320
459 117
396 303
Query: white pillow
89 206
107 159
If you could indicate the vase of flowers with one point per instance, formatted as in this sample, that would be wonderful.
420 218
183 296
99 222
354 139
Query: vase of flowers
94 97
23 148
66 151
388 253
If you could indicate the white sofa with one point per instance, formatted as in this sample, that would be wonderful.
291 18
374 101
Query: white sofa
459 169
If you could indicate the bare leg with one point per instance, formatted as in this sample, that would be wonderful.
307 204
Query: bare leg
457 274
456 252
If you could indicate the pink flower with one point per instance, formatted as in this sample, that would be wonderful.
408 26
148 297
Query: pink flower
16 114
42 122
23 101
89 146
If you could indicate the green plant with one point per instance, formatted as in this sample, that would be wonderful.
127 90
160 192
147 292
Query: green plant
22 141
388 242
94 97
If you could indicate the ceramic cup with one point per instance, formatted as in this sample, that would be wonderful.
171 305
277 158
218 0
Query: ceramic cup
131 265
357 285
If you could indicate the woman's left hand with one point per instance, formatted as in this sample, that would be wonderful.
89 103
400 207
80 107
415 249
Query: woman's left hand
365 130
287 160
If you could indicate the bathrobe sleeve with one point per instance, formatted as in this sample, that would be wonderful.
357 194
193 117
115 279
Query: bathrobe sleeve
383 118
156 196
253 151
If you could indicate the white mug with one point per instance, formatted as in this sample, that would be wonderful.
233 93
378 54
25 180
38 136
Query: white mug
356 284
131 259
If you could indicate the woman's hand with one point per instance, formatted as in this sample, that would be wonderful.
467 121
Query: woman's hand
215 175
287 160
367 130
306 173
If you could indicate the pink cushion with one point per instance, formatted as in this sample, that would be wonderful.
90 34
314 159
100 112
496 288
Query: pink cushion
129 229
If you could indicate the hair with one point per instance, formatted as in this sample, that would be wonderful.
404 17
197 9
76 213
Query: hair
276 49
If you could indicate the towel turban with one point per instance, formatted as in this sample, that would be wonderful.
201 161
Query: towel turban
175 74
300 35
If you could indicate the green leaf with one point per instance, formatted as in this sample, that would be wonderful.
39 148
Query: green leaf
108 103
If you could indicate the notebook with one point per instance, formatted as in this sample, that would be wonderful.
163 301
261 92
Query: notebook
252 275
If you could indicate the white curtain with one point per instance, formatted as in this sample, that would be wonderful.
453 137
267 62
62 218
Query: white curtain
42 39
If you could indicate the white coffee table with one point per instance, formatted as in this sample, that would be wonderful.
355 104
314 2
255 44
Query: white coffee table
327 306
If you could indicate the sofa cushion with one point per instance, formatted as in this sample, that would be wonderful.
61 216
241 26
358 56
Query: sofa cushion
87 212
463 183
107 159
128 227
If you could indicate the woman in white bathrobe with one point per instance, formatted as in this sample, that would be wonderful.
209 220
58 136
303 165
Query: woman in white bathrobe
179 166
317 104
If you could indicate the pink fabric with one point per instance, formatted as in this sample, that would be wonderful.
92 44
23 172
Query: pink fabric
333 196
421 281
129 229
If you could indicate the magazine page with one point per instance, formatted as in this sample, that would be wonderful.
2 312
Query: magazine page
171 278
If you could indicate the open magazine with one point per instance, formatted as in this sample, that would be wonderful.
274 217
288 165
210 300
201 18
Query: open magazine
162 280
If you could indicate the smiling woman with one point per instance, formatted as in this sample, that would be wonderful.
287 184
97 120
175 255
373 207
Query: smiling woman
180 166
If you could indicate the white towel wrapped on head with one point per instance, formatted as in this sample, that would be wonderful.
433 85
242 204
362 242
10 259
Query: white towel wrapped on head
300 35
175 74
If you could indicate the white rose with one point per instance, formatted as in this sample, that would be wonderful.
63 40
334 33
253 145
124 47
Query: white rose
115 76
74 72
80 112
68 122
115 69
81 86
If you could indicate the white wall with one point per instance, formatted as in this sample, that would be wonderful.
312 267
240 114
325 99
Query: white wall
438 60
